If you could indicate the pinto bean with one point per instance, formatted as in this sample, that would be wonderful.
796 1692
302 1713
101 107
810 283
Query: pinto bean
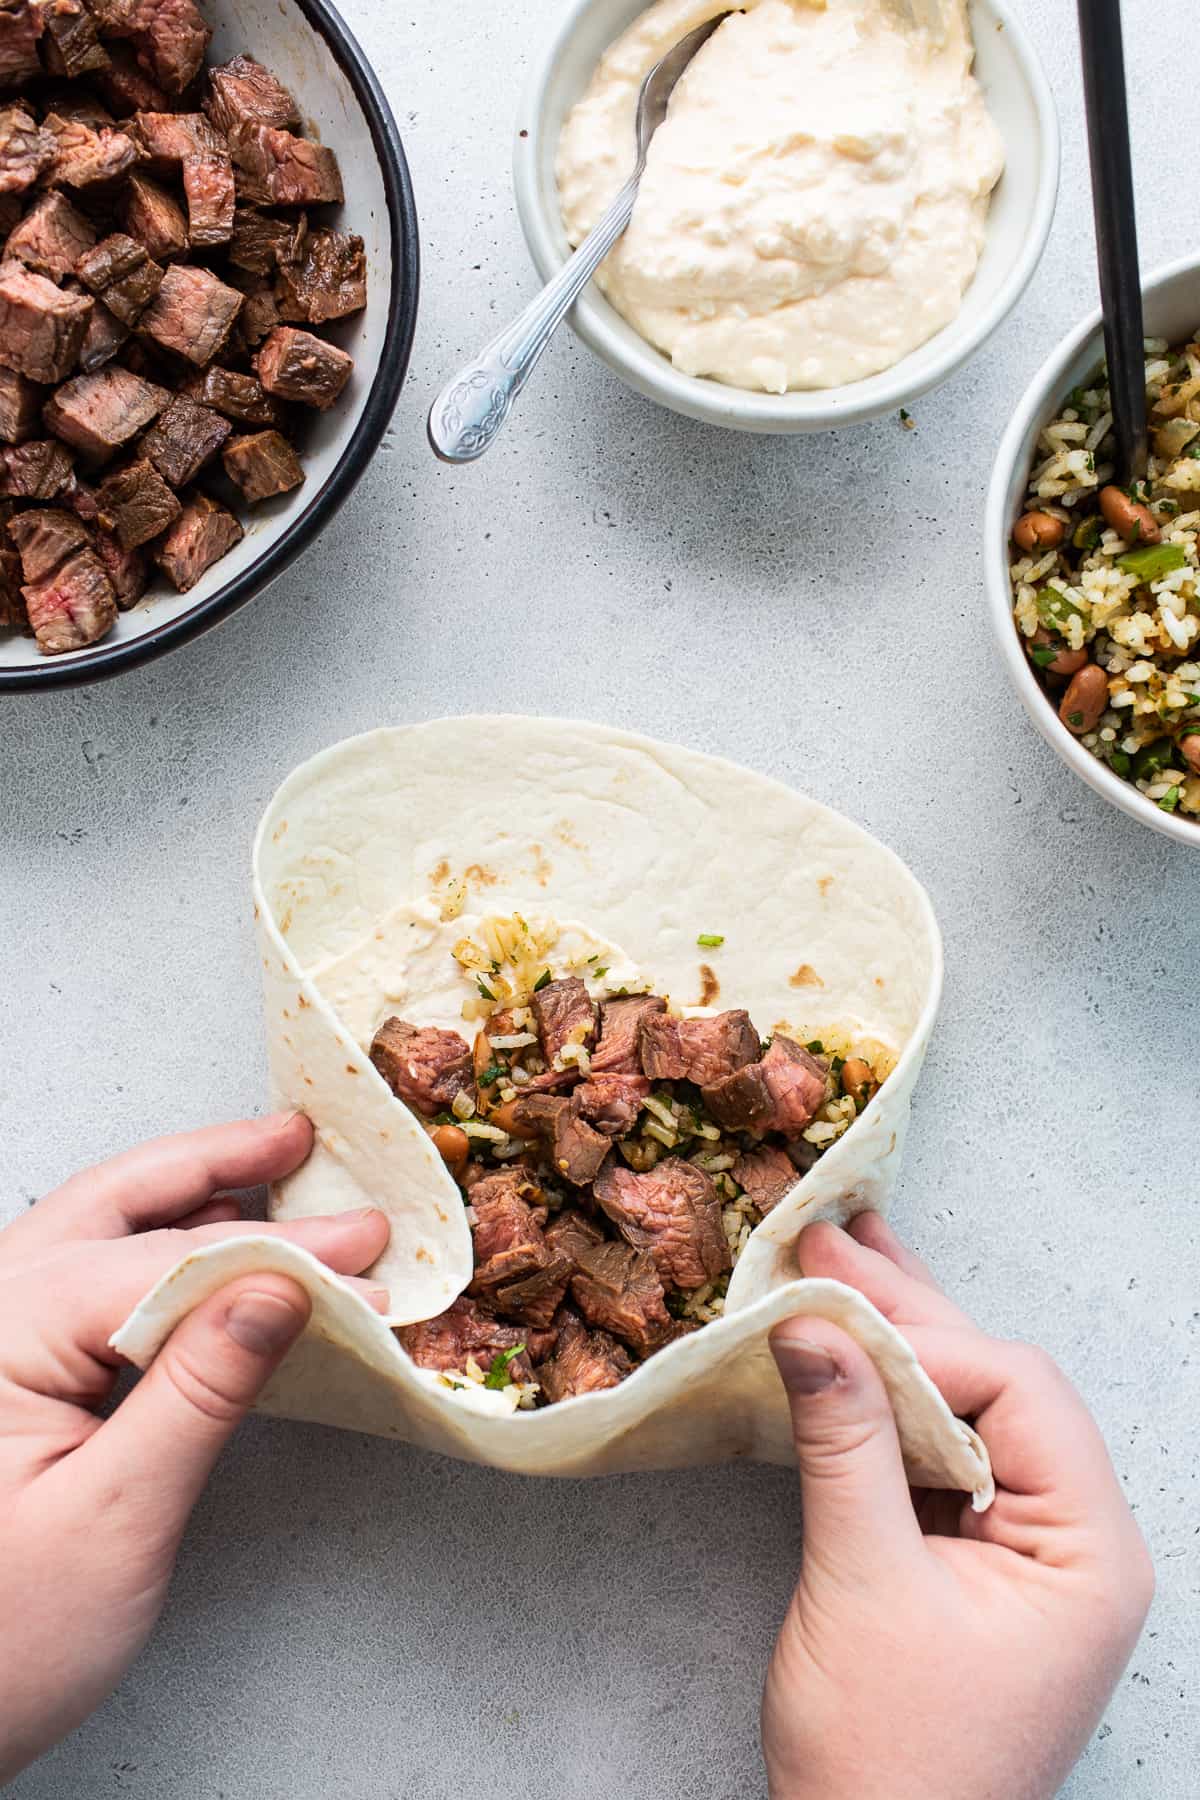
858 1081
1189 749
1038 531
453 1146
504 1118
1085 699
1133 521
1066 662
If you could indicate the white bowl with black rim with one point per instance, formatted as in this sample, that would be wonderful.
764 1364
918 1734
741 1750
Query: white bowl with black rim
307 44
1019 217
1171 300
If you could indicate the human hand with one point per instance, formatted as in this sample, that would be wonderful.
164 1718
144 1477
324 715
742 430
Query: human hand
91 1510
931 1652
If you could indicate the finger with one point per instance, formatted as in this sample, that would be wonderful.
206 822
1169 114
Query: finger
215 1212
872 1230
166 1179
95 1289
857 1510
826 1251
159 1447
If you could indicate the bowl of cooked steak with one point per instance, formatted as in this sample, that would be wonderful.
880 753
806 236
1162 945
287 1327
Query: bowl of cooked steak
205 319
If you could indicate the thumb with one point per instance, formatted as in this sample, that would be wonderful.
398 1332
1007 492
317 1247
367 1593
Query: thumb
857 1507
160 1445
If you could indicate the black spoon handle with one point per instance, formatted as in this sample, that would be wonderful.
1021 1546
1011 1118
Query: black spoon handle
1116 228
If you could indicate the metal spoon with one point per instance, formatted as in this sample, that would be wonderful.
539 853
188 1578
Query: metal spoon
1116 230
467 415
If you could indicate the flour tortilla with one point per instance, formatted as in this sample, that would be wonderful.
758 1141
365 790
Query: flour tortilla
646 846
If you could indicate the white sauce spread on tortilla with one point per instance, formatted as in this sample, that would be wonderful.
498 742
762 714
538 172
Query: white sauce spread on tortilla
813 206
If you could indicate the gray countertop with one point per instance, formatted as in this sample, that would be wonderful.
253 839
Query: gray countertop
351 1617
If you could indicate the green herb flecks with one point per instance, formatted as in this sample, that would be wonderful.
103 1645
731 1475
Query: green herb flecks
816 1048
1043 656
542 981
710 940
498 1375
1170 800
1152 560
1088 532
1121 763
494 1072
484 989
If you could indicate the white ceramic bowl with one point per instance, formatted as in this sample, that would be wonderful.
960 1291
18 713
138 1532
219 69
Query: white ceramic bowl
1019 219
308 46
1172 311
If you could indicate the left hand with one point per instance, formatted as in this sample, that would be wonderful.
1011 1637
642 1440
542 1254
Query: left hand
91 1510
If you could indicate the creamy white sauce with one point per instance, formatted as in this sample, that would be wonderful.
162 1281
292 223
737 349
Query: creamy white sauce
813 206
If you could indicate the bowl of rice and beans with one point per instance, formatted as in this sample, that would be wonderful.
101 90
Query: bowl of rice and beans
1097 602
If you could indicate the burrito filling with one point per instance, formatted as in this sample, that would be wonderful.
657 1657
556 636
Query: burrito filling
614 1155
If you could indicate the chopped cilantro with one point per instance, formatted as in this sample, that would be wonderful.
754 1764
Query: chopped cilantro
492 1073
1170 800
1043 656
816 1048
1120 762
542 981
498 1375
484 989
710 940
444 1118
597 973
1075 718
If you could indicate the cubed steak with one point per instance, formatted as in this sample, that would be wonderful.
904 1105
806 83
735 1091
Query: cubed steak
564 1014
296 365
37 470
259 315
611 1103
617 1289
20 29
618 1053
183 438
328 280
701 1050
126 87
73 607
515 1270
120 272
44 538
41 326
98 413
13 616
87 156
72 46
203 533
463 1330
20 407
584 1362
26 150
673 1211
51 237
170 37
781 1093
188 142
262 465
424 1066
242 92
261 242
275 168
152 216
136 504
570 1232
104 337
192 313
126 569
234 394
766 1175
577 1150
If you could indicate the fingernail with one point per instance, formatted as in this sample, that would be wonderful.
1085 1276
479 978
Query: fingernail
362 1212
806 1368
262 1323
280 1121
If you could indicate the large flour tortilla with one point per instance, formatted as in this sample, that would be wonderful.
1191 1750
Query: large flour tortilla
649 845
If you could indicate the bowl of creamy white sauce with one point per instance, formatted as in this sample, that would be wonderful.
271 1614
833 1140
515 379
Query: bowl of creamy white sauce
843 203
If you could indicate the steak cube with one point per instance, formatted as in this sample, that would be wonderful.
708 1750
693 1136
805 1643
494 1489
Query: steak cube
463 1331
781 1093
261 243
167 137
40 324
202 534
20 407
211 197
327 281
136 504
26 150
699 1050
243 92
73 607
171 38
425 1067
584 1362
259 315
570 1232
279 169
183 438
237 396
119 271
85 156
51 237
298 366
126 87
104 336
154 218
20 29
576 1149
766 1175
618 1051
72 46
563 1011
617 1289
673 1211
126 569
13 616
37 471
192 314
611 1103
45 537
98 413
262 465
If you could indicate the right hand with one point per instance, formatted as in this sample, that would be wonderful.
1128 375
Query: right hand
931 1652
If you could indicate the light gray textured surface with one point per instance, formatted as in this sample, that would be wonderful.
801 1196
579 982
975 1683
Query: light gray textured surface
353 1618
